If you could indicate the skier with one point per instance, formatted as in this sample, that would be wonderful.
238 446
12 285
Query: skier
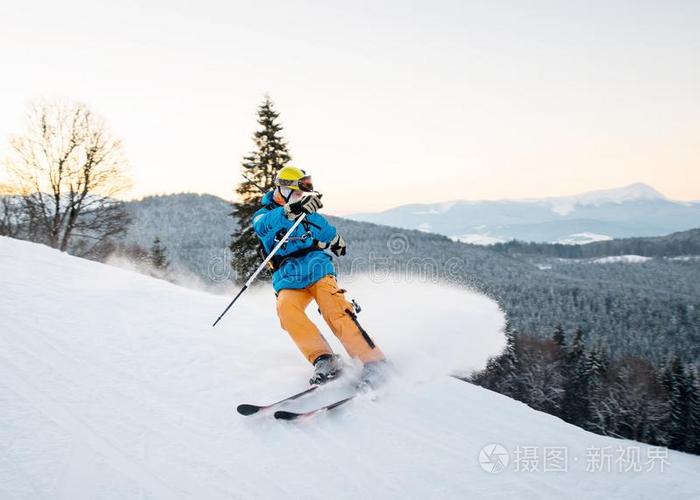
303 271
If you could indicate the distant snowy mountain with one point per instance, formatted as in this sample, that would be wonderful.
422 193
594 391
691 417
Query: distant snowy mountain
634 210
114 385
564 205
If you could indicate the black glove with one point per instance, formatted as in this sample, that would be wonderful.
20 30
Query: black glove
337 246
309 204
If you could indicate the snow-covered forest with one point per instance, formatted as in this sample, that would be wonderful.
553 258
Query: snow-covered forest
626 396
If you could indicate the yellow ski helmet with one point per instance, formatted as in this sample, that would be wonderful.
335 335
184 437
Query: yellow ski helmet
293 178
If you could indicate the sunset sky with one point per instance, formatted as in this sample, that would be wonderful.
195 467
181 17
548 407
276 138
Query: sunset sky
384 102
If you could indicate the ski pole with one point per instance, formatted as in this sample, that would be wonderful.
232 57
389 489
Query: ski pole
260 268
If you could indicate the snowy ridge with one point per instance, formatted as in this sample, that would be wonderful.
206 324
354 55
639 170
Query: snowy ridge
113 385
634 192
633 210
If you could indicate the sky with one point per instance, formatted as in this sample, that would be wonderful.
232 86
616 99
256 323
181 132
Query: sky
385 103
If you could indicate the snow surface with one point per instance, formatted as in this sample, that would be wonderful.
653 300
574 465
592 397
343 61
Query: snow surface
114 385
582 238
685 258
627 259
478 239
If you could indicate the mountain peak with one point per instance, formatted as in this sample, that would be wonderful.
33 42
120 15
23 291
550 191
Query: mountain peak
632 192
636 191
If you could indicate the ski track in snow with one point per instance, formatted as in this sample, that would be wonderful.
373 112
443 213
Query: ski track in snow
113 385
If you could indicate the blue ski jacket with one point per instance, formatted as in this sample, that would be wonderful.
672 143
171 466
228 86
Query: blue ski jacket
306 264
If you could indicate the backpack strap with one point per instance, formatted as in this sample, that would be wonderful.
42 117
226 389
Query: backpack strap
278 261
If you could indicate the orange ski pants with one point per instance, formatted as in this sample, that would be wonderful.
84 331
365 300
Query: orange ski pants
338 313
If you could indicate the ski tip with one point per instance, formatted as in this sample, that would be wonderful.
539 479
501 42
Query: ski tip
248 409
287 415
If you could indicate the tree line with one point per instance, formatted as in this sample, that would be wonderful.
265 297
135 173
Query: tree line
624 397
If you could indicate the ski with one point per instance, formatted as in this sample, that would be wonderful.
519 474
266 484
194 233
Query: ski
248 409
290 415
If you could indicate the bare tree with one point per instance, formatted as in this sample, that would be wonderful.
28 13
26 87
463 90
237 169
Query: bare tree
68 167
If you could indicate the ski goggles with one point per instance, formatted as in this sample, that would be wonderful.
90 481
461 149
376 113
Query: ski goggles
303 184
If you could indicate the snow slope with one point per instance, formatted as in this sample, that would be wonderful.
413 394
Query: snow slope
114 385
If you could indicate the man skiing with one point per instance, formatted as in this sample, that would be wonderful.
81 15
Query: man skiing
303 271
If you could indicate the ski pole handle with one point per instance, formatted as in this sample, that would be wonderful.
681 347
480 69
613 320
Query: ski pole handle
262 266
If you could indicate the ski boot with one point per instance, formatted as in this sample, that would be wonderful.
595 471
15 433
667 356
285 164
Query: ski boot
326 367
374 374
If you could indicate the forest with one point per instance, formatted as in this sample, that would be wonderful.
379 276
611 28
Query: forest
625 397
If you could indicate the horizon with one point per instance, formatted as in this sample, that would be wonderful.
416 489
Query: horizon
385 105
458 200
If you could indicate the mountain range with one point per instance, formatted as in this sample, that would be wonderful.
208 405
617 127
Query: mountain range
634 210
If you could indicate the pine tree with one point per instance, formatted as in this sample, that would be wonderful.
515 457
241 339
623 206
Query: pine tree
577 350
559 336
259 169
576 370
598 361
680 404
591 378
693 445
510 367
158 255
